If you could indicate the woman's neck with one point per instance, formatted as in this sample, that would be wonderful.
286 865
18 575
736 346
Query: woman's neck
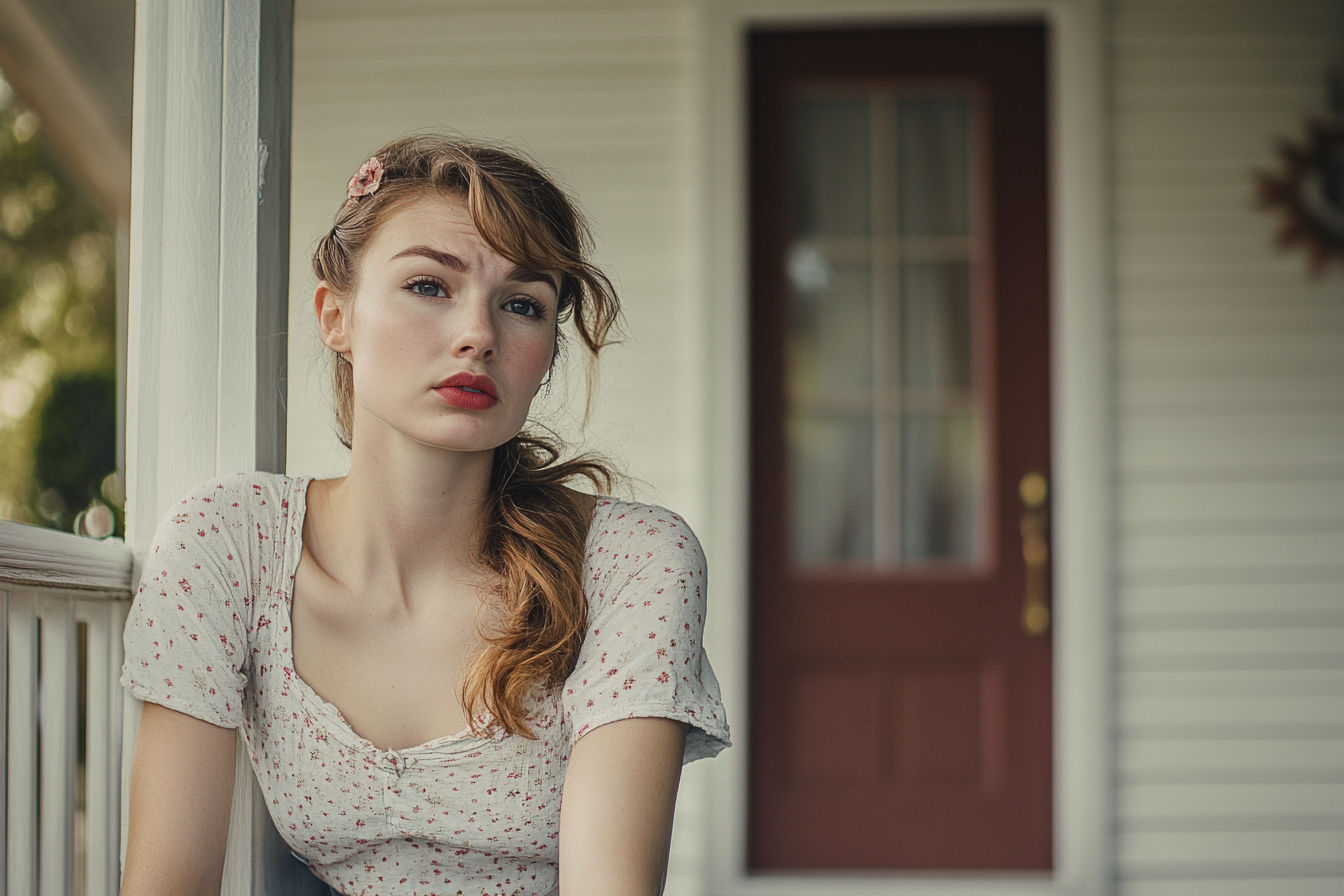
405 517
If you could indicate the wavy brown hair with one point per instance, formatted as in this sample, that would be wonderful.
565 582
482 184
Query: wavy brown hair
535 528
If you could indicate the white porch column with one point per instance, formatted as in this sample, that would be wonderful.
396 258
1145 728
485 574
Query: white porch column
208 290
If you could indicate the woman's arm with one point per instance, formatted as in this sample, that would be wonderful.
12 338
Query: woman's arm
181 791
616 811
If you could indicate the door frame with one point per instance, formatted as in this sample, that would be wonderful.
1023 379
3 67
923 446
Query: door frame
1082 420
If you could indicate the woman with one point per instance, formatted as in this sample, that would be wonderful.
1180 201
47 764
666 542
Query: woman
424 654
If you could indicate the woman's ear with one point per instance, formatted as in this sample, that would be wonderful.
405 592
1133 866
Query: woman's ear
333 323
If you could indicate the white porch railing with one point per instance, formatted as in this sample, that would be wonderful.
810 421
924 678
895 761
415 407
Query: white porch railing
64 603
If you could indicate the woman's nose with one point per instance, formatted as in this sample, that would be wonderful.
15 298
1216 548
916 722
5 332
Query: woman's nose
473 330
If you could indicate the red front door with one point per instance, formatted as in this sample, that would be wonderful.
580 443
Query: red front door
900 647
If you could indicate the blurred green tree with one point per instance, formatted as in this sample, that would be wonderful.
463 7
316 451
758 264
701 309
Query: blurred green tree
57 334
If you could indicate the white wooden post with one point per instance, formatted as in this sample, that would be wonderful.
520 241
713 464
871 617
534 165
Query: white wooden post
208 284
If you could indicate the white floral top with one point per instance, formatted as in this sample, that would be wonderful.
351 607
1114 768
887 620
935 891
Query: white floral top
209 635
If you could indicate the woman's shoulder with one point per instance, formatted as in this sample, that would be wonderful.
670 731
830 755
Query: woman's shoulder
629 533
240 493
206 514
615 517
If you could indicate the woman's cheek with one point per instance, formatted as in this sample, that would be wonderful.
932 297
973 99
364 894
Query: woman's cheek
398 335
539 356
388 358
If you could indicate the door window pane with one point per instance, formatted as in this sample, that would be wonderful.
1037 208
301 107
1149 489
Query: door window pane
831 167
940 462
832 477
935 325
933 151
830 344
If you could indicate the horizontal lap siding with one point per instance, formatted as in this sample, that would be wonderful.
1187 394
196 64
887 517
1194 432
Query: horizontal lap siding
1230 403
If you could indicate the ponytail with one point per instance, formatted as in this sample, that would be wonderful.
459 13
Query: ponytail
534 536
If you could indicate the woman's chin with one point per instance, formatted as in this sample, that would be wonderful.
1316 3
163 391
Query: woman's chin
463 431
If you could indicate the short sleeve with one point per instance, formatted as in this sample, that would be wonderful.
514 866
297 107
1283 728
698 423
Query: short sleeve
186 634
642 656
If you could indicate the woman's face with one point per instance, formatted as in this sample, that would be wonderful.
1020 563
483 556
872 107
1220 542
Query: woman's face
449 341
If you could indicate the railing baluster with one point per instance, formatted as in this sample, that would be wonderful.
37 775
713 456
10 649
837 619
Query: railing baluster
21 795
58 703
102 769
96 750
116 701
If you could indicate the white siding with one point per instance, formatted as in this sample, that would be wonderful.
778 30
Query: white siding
1231 462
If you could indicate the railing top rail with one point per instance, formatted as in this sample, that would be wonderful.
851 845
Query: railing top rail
45 558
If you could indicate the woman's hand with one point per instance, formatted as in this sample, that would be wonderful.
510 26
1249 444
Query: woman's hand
616 811
181 792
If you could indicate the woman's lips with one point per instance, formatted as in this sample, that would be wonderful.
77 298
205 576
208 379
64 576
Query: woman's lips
469 391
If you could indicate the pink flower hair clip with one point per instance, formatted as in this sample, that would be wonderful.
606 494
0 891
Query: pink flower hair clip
366 181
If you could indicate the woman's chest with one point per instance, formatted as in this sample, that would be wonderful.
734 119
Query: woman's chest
332 795
395 674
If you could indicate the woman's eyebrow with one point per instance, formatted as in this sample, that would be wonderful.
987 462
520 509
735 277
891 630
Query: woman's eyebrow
447 259
527 275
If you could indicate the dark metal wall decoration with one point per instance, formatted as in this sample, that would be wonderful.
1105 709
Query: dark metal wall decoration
1306 190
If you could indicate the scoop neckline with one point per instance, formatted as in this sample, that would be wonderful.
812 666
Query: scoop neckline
299 509
342 726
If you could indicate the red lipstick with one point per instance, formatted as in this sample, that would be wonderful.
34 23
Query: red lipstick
468 391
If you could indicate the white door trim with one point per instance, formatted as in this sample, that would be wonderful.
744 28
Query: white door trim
1082 390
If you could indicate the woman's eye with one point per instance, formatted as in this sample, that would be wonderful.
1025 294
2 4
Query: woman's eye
527 307
427 288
